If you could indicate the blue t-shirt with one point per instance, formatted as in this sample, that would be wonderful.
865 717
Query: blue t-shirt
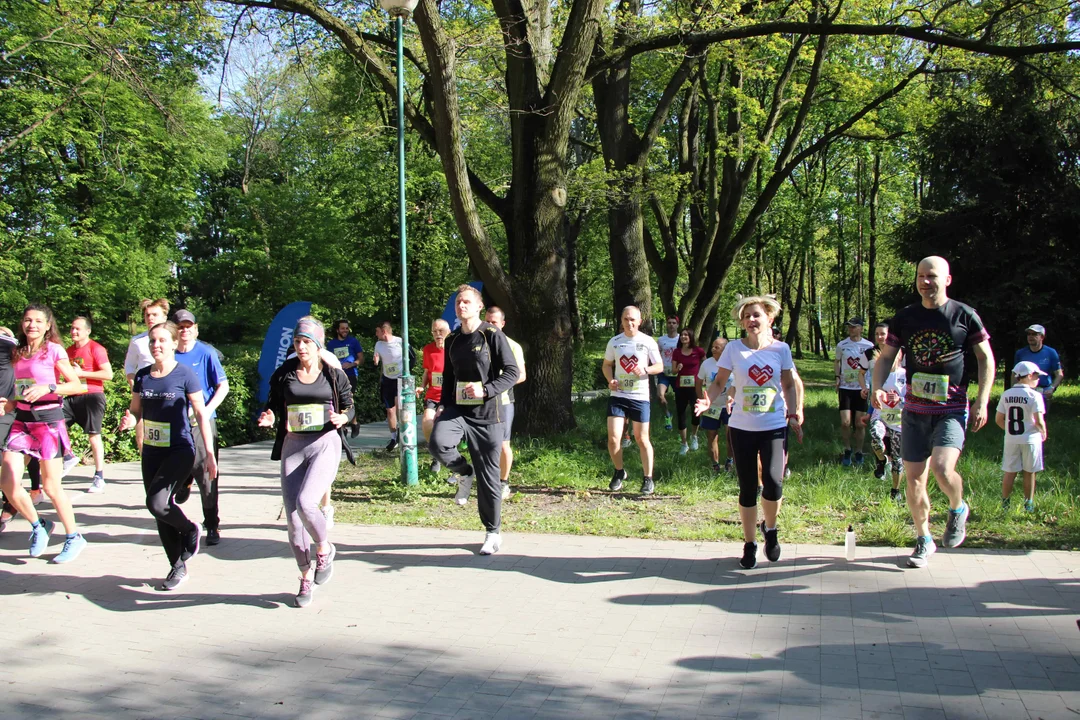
208 370
1047 359
165 407
346 351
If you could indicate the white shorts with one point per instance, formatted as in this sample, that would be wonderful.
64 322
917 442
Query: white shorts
1026 457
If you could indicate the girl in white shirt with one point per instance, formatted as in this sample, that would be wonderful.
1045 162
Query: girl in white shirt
766 406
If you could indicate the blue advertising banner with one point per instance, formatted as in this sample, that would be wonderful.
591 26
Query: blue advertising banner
278 342
450 314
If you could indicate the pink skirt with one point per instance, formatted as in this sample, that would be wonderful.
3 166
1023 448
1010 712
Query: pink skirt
41 440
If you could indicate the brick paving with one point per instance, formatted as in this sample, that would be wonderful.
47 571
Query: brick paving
416 625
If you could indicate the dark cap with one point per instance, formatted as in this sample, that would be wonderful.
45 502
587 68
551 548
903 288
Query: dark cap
183 316
856 321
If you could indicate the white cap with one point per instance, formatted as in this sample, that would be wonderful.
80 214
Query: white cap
1036 328
1025 368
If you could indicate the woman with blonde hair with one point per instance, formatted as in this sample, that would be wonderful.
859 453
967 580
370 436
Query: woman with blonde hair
767 405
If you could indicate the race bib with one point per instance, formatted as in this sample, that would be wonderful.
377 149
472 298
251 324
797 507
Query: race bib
21 386
891 416
462 399
628 382
686 381
306 418
930 387
391 371
341 352
157 434
436 379
758 399
714 411
849 377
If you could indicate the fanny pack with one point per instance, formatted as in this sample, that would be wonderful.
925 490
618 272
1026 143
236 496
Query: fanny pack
46 415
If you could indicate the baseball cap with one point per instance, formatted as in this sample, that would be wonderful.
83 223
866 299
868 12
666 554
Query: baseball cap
1025 368
855 321
1036 328
183 316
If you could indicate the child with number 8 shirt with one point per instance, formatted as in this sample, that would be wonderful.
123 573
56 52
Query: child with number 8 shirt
1022 415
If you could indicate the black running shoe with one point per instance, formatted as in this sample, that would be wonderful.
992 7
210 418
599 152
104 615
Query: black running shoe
648 487
617 480
191 543
182 493
879 470
392 444
749 555
772 543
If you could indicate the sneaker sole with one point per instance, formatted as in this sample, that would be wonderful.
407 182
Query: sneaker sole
60 559
920 563
165 588
297 602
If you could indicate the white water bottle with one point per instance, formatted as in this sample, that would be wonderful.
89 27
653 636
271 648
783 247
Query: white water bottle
849 543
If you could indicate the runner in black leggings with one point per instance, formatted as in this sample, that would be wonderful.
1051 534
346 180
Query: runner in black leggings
161 396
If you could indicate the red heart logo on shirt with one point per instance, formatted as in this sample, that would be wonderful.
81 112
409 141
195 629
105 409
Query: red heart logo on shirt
853 363
892 402
760 375
629 363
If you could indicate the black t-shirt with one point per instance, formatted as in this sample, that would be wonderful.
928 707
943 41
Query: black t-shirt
165 407
934 341
483 356
307 405
7 371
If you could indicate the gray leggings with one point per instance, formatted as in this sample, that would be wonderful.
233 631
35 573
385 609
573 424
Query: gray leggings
309 464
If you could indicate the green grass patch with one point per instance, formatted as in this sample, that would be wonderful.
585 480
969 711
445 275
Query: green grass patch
560 486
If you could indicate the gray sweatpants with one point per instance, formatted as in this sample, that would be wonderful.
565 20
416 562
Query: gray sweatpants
485 445
309 464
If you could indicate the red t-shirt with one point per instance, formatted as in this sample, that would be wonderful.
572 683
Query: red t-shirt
89 357
690 363
433 363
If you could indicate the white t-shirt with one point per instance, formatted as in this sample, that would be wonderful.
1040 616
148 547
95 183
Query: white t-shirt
389 357
852 357
759 397
667 347
138 354
890 414
1019 405
629 354
707 373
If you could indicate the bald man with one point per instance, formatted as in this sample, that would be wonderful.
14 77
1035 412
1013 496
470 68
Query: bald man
935 334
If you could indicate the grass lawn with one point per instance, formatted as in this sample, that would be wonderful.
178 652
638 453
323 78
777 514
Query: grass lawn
560 486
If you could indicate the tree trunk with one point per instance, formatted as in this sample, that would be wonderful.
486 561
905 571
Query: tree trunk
573 230
875 187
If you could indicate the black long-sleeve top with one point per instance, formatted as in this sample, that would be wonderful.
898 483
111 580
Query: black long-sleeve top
481 356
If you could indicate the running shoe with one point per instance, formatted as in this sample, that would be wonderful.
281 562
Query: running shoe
324 566
389 446
729 465
924 548
505 491
213 536
879 469
1005 502
667 422
1029 506
37 496
772 543
858 459
3 523
306 593
97 485
191 543
684 449
626 442
492 544
73 545
328 515
648 487
39 537
717 468
435 467
894 494
787 472
845 460
617 480
693 442
749 555
956 527
177 576
464 487
69 463
355 429
453 478
183 492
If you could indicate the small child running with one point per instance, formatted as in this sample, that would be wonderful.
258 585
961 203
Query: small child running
884 425
1022 415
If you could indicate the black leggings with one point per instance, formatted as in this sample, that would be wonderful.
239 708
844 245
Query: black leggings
162 472
685 397
746 445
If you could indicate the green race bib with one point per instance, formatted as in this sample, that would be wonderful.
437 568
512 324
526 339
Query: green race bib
927 386
157 434
21 386
628 382
758 399
849 377
436 379
391 371
714 411
686 381
462 399
341 352
306 418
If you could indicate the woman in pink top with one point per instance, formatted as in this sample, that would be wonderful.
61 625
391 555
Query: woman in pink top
685 362
39 430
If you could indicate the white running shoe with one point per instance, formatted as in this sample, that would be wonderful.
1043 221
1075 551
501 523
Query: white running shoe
492 543
464 487
693 442
684 449
70 463
97 486
506 491
328 513
626 442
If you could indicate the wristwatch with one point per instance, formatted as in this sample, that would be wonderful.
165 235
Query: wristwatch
52 387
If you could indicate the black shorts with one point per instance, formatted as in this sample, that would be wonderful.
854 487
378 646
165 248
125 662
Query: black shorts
431 405
86 410
388 391
852 400
352 381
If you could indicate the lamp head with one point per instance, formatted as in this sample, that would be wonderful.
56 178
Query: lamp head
403 8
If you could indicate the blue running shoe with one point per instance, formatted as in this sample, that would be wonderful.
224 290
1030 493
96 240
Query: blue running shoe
73 545
39 538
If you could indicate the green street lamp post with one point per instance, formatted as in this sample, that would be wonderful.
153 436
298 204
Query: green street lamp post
400 10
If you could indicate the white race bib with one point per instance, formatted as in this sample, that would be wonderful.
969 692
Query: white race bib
758 399
391 371
436 379
462 398
891 416
628 382
686 381
927 386
306 418
849 377
341 352
157 434
714 411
